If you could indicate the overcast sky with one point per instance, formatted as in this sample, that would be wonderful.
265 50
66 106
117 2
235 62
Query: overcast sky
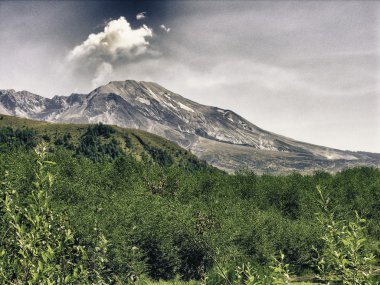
307 70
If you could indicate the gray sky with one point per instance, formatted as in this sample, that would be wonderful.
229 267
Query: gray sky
307 70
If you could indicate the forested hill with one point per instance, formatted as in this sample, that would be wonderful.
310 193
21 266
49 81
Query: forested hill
97 141
138 205
221 137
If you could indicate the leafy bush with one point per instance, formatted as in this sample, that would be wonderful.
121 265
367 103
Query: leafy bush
345 256
38 246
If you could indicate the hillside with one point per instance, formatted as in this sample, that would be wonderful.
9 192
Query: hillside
221 137
153 217
138 143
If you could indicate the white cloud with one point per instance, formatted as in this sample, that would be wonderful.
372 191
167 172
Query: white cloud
164 28
117 45
102 74
117 41
141 16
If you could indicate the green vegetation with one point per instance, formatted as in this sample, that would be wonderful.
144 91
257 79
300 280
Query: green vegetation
10 138
37 245
345 255
126 204
97 142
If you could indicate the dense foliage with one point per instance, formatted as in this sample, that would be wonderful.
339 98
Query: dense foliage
10 138
38 245
92 146
166 219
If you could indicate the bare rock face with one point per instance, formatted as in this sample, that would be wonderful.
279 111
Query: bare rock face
221 137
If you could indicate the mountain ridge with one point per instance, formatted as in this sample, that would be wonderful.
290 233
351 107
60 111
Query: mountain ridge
220 136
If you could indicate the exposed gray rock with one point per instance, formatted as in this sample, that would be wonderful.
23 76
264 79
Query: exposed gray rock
219 136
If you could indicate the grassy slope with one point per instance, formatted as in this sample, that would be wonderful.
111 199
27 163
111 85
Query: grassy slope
57 130
194 282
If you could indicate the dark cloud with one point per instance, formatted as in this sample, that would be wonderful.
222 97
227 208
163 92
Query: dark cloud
288 66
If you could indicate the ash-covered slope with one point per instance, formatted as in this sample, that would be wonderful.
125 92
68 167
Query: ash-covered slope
219 136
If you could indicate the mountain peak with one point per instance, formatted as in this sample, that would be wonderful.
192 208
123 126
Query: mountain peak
219 136
134 84
123 82
7 91
116 87
133 89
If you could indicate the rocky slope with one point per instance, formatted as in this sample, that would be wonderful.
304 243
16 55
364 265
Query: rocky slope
219 136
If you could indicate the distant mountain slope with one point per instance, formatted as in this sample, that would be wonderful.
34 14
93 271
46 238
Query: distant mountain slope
219 136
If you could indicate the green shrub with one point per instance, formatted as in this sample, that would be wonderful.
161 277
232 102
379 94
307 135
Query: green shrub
38 246
345 257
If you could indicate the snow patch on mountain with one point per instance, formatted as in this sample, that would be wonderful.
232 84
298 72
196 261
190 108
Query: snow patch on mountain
210 131
168 105
185 107
143 100
153 94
